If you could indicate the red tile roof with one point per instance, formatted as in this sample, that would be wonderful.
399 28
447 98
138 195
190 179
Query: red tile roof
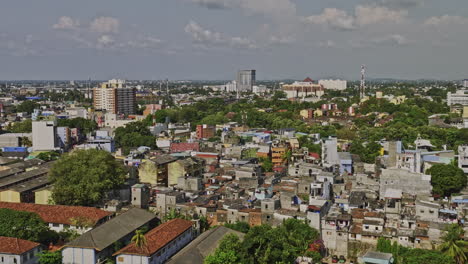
59 214
158 237
308 80
180 147
16 246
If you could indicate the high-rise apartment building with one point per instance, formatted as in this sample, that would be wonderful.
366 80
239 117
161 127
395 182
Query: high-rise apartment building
465 83
246 80
114 97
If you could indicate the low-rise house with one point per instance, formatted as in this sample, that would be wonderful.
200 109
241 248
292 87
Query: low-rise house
61 217
18 251
161 243
98 244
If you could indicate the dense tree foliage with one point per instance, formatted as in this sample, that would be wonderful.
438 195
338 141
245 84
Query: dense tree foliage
447 179
49 257
83 177
265 244
21 127
134 135
84 125
454 246
48 156
404 255
239 226
27 106
25 225
367 152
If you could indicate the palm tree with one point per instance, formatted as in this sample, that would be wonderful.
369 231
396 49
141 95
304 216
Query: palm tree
139 239
454 245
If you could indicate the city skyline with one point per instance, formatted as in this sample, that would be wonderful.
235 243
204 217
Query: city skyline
213 39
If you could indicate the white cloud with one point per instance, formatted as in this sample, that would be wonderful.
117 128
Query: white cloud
368 15
105 25
363 15
394 39
66 23
205 38
334 18
446 20
105 40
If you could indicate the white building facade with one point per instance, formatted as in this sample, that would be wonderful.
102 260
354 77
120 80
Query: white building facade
338 85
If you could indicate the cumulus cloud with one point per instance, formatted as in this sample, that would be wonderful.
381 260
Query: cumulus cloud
446 20
206 38
66 23
105 25
334 18
366 15
363 15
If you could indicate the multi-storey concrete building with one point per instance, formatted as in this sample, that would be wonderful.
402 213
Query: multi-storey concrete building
246 80
333 84
44 135
459 97
114 97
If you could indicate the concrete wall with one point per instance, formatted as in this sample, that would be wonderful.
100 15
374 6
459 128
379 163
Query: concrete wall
42 197
10 196
148 173
78 256
28 257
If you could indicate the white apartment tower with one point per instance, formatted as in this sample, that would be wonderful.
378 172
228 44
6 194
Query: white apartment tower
246 80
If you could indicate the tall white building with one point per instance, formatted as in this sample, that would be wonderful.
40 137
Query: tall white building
465 83
459 97
463 158
246 80
338 85
44 135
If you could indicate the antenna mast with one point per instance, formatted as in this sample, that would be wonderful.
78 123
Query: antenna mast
362 87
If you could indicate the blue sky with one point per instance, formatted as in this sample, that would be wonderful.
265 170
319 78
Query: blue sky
212 39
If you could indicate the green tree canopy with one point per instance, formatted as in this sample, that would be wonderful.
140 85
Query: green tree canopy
446 179
27 106
84 125
133 135
83 177
49 257
265 244
454 246
21 127
24 225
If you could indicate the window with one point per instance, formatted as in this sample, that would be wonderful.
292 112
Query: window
353 235
15 261
120 259
376 228
421 211
266 206
431 211
55 225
